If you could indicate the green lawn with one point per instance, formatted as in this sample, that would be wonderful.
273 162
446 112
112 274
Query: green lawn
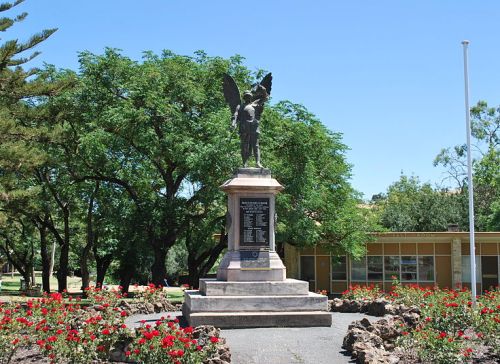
11 285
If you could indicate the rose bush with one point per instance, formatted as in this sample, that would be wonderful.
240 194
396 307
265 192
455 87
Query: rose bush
450 329
167 343
65 332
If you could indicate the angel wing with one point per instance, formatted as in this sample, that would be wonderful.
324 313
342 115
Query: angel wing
267 82
231 93
262 90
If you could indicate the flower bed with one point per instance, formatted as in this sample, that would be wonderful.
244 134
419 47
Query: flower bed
435 325
63 331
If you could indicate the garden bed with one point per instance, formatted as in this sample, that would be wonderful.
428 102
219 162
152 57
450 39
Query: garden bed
52 329
427 325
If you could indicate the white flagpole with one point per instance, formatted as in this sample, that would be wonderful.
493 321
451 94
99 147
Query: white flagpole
465 44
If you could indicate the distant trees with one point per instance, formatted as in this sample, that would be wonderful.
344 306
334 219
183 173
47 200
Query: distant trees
410 205
485 125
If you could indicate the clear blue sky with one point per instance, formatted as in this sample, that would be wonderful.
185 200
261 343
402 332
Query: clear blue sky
386 74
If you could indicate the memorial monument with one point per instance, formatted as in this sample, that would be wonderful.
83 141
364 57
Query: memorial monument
251 289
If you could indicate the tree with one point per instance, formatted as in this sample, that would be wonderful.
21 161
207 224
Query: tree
318 203
158 129
153 128
21 134
410 205
485 129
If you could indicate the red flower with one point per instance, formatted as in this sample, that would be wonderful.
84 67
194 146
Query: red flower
442 335
214 340
105 332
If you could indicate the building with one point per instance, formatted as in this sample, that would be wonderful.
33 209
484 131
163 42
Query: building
427 258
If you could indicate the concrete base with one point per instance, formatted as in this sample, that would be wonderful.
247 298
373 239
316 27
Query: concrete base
231 320
288 287
230 269
255 304
200 303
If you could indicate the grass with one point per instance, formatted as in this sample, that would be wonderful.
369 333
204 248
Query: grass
11 286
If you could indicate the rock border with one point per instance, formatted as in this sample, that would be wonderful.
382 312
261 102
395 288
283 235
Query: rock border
374 342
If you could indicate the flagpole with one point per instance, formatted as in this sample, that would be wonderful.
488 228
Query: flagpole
465 44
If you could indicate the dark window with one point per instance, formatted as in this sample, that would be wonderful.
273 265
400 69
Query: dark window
409 268
425 268
375 268
359 270
391 267
339 268
307 268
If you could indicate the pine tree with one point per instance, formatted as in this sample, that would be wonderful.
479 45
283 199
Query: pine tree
22 138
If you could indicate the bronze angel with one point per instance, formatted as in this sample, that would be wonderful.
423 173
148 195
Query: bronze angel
246 114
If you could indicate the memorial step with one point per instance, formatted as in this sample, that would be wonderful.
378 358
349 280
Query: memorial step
227 320
195 301
289 287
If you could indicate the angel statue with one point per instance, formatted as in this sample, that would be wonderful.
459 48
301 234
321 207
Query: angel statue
246 114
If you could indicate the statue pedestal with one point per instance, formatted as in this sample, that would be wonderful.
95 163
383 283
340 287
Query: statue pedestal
251 289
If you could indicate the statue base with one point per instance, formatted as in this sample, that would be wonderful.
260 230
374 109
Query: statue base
251 289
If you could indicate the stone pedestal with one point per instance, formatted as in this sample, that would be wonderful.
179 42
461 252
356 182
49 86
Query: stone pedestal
251 289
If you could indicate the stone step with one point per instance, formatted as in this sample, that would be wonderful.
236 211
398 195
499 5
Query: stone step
289 287
195 301
227 320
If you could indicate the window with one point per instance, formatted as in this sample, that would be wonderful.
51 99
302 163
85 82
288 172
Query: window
391 267
466 269
359 270
426 268
339 268
408 268
307 268
375 268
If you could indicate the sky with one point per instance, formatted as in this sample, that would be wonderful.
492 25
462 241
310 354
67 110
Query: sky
387 74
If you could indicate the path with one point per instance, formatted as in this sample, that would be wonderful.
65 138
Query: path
311 345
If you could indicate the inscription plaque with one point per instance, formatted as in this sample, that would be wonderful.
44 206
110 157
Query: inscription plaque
254 260
254 223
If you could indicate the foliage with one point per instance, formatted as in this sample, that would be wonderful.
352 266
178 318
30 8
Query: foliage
318 203
485 130
410 205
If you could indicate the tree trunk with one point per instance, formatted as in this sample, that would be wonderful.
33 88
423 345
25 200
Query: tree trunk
127 269
194 276
199 264
62 272
52 258
102 264
84 267
91 240
158 270
33 276
46 263
27 278
125 279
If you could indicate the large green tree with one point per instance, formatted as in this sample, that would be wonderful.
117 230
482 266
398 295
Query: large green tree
159 130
